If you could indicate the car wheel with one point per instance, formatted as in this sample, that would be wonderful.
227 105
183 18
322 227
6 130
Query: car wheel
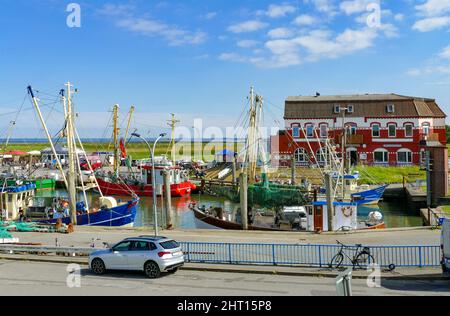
98 266
152 270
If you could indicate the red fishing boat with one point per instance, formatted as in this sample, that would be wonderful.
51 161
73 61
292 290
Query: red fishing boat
142 184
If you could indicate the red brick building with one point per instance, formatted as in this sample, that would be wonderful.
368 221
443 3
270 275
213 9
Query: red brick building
381 129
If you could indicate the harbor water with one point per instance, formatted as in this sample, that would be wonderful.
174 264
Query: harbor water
395 214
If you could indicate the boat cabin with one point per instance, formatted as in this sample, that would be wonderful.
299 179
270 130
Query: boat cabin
345 216
13 199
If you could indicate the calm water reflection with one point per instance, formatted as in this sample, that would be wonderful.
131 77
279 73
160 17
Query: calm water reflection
395 214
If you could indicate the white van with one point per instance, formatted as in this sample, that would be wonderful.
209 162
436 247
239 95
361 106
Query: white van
445 245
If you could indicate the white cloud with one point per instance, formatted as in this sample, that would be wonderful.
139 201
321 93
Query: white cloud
124 17
445 53
247 43
399 17
430 24
324 6
434 7
278 11
305 19
354 6
248 26
280 33
210 15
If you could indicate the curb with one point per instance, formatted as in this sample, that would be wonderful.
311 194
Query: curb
241 270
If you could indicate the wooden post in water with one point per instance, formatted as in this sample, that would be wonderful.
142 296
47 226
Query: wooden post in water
293 171
243 180
234 169
330 201
168 200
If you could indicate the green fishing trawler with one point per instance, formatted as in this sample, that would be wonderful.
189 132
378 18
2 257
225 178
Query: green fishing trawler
40 184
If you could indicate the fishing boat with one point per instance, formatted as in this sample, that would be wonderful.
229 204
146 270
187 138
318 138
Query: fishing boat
208 220
111 213
362 194
140 182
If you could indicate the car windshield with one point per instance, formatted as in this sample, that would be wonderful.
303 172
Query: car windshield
171 244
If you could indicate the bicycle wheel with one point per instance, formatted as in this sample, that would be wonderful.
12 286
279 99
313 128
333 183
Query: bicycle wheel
364 259
337 260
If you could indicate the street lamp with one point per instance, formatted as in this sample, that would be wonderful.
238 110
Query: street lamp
152 153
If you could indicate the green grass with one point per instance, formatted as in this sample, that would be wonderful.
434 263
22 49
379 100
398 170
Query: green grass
138 151
446 209
390 175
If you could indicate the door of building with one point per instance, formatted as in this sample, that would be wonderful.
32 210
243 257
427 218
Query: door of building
318 218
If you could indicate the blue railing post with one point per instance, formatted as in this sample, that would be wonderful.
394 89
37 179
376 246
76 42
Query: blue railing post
320 256
274 255
189 252
420 257
230 256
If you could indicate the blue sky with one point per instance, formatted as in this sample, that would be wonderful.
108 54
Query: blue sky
198 58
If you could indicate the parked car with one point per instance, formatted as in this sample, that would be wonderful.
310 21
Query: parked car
445 246
152 255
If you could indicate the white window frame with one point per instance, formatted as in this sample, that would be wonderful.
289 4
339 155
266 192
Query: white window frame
389 130
390 108
301 152
379 130
337 109
412 130
385 155
426 127
350 109
307 126
409 158
324 130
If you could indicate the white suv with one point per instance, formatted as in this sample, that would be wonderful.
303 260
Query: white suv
152 255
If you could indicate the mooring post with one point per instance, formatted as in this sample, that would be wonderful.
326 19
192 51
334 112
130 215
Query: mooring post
168 200
244 200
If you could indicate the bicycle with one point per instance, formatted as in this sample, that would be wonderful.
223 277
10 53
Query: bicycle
361 259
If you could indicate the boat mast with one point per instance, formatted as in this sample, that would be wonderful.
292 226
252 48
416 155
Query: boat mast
173 125
130 116
47 133
116 139
72 159
251 138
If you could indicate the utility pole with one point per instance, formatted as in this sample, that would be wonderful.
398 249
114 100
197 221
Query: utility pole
330 201
72 152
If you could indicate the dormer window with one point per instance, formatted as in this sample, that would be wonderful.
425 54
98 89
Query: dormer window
390 108
350 108
337 109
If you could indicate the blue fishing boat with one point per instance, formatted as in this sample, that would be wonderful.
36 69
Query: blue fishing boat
119 216
372 196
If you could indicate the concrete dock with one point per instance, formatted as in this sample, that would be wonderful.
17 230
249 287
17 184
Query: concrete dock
84 236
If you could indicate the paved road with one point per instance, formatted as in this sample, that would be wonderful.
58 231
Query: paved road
26 278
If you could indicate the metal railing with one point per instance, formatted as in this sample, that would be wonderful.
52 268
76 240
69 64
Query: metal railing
271 254
306 255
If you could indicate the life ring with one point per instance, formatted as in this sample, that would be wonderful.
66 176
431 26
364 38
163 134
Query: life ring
347 211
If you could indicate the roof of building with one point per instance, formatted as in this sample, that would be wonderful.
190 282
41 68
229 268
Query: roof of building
365 105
